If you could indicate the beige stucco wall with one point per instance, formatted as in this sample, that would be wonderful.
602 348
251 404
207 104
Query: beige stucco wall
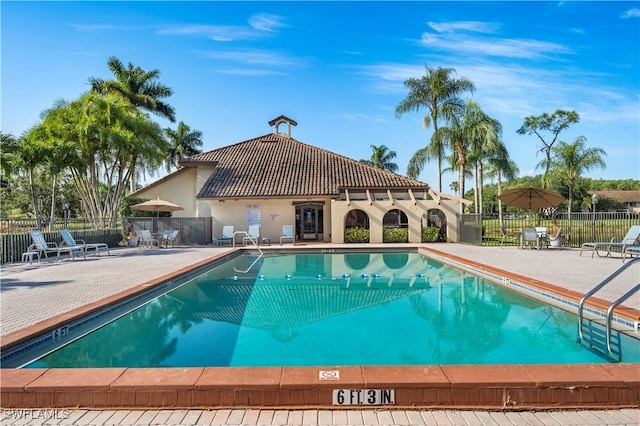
274 213
180 190
377 210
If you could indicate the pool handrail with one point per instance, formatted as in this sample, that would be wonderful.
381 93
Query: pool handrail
611 307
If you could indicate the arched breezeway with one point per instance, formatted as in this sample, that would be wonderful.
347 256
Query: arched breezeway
376 213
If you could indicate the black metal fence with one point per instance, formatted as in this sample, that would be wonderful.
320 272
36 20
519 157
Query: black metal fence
15 238
581 227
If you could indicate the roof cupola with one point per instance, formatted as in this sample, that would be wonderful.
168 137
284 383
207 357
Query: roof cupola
276 122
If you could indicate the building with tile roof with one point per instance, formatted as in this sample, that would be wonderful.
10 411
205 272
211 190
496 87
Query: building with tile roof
274 180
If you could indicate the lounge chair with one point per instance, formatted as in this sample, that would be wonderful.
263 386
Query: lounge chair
287 234
226 236
628 240
528 236
42 246
169 236
69 241
631 251
253 235
146 239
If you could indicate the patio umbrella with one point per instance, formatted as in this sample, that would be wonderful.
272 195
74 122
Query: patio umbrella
531 198
157 206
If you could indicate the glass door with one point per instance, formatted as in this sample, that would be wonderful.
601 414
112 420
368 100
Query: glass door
309 222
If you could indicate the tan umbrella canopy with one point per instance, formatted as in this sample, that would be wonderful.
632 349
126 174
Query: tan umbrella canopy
531 198
157 206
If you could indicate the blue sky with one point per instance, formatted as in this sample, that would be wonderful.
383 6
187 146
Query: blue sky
338 68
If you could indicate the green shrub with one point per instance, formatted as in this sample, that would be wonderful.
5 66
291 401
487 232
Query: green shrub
356 235
430 234
395 235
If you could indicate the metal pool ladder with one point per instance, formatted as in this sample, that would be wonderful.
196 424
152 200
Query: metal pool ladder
255 243
594 339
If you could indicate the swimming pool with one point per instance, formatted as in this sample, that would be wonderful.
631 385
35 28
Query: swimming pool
341 308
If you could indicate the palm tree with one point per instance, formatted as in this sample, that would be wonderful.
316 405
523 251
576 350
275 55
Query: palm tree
501 166
184 142
8 145
468 127
30 154
571 160
138 86
381 158
481 150
433 91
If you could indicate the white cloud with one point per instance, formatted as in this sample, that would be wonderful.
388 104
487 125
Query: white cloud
259 25
502 47
472 26
632 13
266 22
255 57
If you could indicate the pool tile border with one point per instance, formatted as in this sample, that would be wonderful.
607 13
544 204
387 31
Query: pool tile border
511 387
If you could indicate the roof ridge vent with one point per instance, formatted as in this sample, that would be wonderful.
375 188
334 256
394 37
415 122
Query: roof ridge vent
276 122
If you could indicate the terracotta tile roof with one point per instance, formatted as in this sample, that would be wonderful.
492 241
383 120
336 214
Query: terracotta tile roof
274 165
630 196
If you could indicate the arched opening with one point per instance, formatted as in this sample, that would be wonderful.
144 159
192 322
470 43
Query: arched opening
395 227
434 226
395 260
356 227
357 261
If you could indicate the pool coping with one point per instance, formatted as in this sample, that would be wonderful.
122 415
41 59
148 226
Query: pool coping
510 387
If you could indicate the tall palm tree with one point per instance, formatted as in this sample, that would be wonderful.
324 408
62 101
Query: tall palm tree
8 145
140 87
482 149
571 160
435 90
467 127
29 155
183 142
501 166
381 158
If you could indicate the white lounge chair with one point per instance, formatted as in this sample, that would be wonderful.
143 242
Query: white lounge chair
633 234
287 234
226 236
69 241
146 239
253 235
169 236
43 247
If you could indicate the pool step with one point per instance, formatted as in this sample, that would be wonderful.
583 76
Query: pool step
594 336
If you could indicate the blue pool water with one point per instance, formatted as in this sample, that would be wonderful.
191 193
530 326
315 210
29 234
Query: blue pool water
333 309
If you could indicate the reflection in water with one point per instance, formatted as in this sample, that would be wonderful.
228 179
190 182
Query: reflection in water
314 309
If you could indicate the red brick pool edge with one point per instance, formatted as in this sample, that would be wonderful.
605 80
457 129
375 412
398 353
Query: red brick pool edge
510 387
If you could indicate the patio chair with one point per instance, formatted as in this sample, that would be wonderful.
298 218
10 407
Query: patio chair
69 241
630 239
287 234
146 239
226 236
40 245
169 236
528 236
253 235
